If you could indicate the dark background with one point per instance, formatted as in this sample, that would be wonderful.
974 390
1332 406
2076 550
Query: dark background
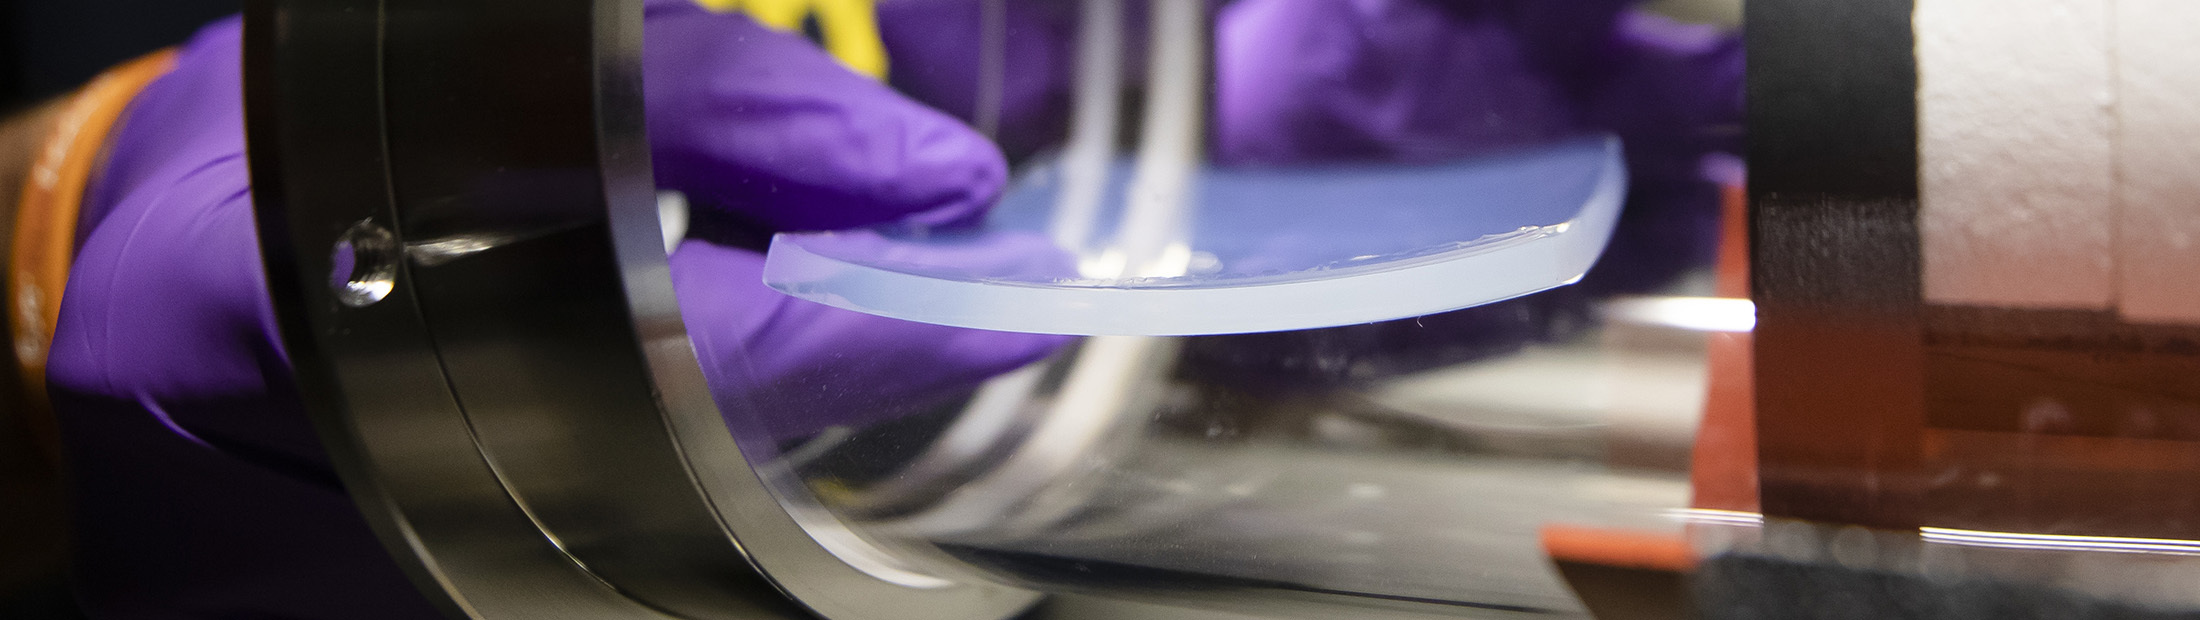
48 47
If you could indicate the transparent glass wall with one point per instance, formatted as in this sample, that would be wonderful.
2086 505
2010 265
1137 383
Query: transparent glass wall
1400 302
1388 300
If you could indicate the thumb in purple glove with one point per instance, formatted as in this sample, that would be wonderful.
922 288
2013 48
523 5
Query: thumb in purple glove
764 129
940 52
765 133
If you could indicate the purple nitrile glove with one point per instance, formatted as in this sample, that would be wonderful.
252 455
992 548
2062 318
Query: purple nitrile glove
764 133
1305 81
937 49
1301 81
763 127
1315 81
1413 80
199 485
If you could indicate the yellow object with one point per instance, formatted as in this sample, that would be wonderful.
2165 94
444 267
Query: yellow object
850 27
45 217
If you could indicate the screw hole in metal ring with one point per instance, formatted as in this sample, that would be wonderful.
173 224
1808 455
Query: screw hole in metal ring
363 265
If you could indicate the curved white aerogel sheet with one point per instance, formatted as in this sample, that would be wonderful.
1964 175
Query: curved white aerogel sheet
1265 250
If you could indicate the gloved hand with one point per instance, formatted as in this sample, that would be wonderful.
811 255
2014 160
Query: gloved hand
1407 81
1318 81
1420 80
198 486
764 133
201 484
1299 81
760 129
937 51
1417 81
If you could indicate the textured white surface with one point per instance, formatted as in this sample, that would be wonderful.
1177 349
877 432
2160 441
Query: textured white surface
2158 153
2014 137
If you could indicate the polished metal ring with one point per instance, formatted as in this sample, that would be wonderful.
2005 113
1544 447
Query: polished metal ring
518 411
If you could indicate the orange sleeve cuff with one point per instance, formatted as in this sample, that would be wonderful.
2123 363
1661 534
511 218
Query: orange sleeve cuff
53 194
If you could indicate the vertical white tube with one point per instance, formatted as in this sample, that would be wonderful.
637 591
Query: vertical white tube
1112 379
1098 105
1157 216
992 66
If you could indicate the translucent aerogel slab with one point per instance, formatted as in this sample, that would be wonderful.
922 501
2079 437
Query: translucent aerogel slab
1259 249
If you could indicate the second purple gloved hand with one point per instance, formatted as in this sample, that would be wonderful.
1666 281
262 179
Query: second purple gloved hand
1416 81
1311 82
1425 80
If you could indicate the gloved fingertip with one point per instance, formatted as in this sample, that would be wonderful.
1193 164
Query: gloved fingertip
953 177
764 126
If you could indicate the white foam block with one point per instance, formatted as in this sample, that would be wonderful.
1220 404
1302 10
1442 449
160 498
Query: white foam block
2015 166
2158 153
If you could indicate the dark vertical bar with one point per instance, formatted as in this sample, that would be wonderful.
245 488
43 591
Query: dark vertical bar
506 153
313 130
1833 192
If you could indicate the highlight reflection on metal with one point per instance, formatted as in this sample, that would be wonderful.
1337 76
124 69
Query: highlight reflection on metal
1714 515
363 265
443 250
1705 314
2060 542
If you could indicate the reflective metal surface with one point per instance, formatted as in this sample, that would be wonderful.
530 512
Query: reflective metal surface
1754 405
520 416
1412 467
